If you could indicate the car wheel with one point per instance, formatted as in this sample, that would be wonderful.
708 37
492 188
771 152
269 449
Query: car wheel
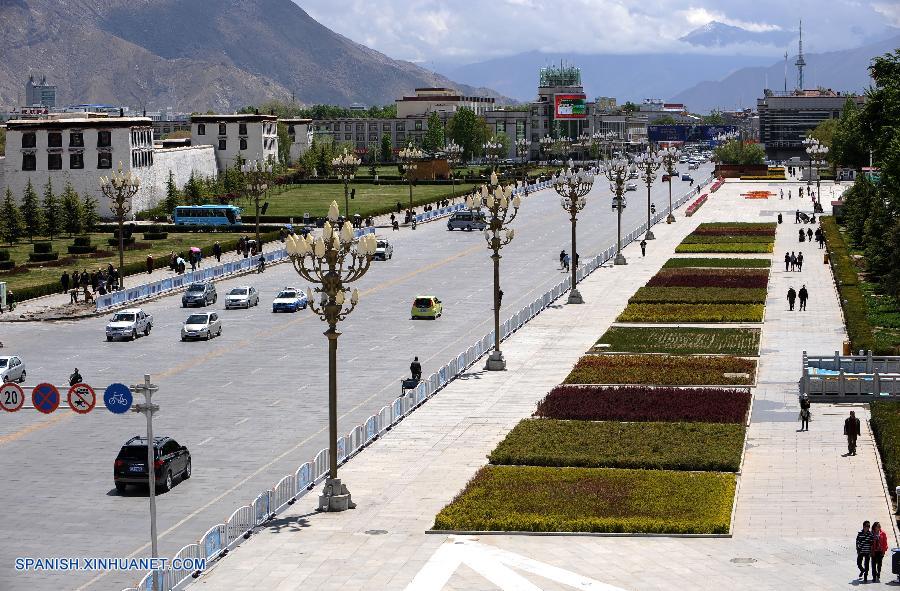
147 330
187 470
22 377
215 297
218 334
468 228
208 335
133 334
120 487
183 304
167 483
183 339
108 338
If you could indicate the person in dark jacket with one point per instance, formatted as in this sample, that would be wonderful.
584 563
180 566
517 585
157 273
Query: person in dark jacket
415 368
643 247
809 234
802 235
797 217
851 431
787 261
75 378
149 264
799 261
791 297
804 412
864 540
803 295
64 281
217 251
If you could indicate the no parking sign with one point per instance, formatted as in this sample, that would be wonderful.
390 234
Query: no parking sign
45 398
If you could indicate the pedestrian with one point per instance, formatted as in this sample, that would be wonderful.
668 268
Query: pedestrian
217 251
643 247
85 279
793 261
802 235
73 295
566 263
75 377
499 297
399 207
95 279
851 430
193 260
789 194
804 412
173 261
809 234
879 547
415 369
395 225
787 262
797 217
780 219
562 258
791 297
11 300
64 281
576 259
864 540
782 193
800 261
149 264
199 255
393 217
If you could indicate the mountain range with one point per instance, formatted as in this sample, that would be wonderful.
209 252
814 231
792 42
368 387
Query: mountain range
194 55
716 34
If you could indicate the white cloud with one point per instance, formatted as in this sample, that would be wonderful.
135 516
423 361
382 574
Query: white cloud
890 11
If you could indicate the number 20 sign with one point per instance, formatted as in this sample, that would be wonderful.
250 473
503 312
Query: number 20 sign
11 397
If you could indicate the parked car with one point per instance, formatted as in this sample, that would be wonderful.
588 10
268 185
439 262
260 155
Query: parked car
694 166
202 325
128 324
687 177
289 299
467 220
171 461
12 369
631 187
199 294
427 307
243 296
556 162
383 250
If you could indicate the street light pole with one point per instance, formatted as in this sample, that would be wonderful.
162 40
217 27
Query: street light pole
120 188
256 181
148 409
345 167
617 171
648 163
332 261
454 154
572 187
492 149
409 156
670 161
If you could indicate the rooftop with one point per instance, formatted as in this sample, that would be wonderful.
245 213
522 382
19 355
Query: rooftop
82 121
243 117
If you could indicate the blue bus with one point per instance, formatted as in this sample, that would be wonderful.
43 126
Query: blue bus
207 215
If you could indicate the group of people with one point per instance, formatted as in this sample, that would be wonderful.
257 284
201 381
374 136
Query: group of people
871 546
806 235
565 261
793 262
99 282
246 247
793 295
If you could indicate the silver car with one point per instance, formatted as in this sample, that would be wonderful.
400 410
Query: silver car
12 369
202 325
631 187
243 296
383 250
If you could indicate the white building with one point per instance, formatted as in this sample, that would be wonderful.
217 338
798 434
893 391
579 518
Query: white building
245 136
440 100
80 149
301 134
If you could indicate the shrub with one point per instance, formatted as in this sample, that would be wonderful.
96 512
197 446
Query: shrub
79 249
709 447
732 247
718 262
694 295
155 235
853 301
663 370
128 241
738 227
644 403
692 313
43 247
682 340
7 265
731 278
42 257
885 421
4 255
82 241
726 238
514 498
693 207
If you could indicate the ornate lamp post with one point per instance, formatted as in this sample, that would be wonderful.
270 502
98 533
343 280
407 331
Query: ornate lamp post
492 150
816 152
617 171
332 261
522 146
345 167
648 163
120 188
257 174
545 143
572 187
502 208
409 157
670 158
453 152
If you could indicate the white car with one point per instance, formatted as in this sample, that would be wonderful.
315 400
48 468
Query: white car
383 250
202 325
128 324
289 299
631 187
243 296
12 369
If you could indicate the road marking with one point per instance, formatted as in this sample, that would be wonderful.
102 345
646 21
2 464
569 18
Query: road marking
302 388
255 370
285 356
375 348
207 440
195 399
102 370
226 385
352 359
241 422
276 403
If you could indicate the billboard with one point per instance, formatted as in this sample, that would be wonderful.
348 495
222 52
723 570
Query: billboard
687 133
570 106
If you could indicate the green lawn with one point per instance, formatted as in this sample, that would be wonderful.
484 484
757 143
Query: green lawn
883 313
742 342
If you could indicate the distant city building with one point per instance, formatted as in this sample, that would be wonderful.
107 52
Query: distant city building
40 93
440 100
233 137
786 118
300 133
605 104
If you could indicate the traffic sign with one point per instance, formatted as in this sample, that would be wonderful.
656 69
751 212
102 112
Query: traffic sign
11 397
45 398
82 398
117 398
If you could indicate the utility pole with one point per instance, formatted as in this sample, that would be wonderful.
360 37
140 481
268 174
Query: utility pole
148 409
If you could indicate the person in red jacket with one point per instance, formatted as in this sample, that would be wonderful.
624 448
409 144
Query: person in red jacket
879 547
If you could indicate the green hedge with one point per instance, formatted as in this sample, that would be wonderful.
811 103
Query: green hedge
885 421
698 295
709 447
82 241
718 262
155 235
730 247
537 499
4 255
7 265
43 247
80 249
682 340
853 302
713 239
125 241
662 370
42 257
692 313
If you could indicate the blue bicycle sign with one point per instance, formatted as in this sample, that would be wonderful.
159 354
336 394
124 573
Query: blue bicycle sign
118 398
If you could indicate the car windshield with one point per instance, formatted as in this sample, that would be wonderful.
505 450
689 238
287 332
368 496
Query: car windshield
238 291
123 318
381 244
422 303
3 362
196 287
288 295
196 319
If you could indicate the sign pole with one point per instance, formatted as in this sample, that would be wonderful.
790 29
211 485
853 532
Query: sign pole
148 409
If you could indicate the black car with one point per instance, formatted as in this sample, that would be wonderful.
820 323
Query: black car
199 294
171 460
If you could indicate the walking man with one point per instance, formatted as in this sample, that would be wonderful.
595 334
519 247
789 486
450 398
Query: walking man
149 264
852 430
804 412
863 550
799 261
797 217
787 262
809 234
803 295
791 297
643 247
217 251
793 261
64 281
415 369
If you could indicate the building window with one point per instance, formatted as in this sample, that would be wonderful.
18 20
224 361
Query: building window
201 129
29 140
104 139
290 130
54 161
400 137
104 160
76 161
29 161
348 137
347 127
242 129
401 126
222 144
54 139
243 143
385 127
418 125
222 129
501 127
76 139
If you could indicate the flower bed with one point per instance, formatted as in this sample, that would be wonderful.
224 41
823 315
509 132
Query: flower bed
757 194
521 498
692 313
715 186
734 247
736 228
709 447
697 262
682 340
693 207
731 278
644 403
725 238
698 295
663 370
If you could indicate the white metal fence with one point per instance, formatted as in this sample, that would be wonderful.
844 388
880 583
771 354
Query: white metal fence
850 377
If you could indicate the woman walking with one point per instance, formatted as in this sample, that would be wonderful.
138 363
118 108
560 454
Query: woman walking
879 547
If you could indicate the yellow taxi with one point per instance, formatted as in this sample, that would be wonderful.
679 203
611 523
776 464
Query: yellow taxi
426 306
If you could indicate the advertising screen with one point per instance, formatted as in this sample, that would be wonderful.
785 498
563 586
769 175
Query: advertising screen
570 106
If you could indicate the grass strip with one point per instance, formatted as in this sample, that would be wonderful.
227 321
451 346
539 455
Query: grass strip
724 238
698 295
682 340
698 262
853 301
662 370
690 277
692 313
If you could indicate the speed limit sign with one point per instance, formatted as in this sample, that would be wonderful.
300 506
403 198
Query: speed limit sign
11 397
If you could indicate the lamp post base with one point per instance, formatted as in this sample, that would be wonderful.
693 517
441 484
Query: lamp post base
620 259
575 297
649 235
335 496
495 361
670 219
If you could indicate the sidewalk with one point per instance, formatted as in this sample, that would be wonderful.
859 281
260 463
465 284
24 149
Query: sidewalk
797 511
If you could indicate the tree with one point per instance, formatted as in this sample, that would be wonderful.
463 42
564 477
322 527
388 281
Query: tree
848 142
742 153
31 212
434 136
714 118
858 203
504 140
11 225
172 196
71 211
664 120
284 145
2 141
630 107
89 217
386 148
193 191
469 131
53 219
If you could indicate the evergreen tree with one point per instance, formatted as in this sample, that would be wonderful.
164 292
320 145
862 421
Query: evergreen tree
387 151
434 136
172 195
193 192
11 225
89 217
469 131
71 211
53 219
31 212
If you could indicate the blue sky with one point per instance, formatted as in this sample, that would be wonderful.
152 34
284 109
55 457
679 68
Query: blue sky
461 31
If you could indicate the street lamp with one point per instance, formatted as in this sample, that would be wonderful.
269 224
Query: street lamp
502 208
617 171
120 188
572 187
670 158
648 163
345 167
454 155
522 146
545 143
409 157
332 261
816 152
257 175
492 150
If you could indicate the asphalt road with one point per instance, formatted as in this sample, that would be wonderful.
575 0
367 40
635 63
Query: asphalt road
251 406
